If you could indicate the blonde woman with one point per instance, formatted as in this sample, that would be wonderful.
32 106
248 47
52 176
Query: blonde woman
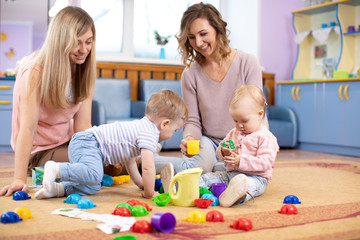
52 94
213 71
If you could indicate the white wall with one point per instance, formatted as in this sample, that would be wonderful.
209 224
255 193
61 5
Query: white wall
243 18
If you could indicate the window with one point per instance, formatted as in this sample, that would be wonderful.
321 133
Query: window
126 27
163 16
108 18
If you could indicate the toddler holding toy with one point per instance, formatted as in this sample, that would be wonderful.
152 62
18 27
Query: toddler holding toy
117 143
249 166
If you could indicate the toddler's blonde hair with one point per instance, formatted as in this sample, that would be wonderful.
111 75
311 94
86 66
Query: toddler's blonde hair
255 93
168 104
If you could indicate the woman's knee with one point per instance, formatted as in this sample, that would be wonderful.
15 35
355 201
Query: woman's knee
206 143
207 156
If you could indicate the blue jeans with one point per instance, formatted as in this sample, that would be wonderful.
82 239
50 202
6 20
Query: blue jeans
256 184
84 173
206 159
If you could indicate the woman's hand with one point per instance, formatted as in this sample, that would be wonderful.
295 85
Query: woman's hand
183 146
17 185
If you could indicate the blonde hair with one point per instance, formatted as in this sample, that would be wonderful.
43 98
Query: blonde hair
209 12
168 104
54 56
255 93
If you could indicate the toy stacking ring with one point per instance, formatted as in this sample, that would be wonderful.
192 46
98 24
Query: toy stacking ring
162 199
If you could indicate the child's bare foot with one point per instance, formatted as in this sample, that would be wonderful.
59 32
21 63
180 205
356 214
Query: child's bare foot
237 189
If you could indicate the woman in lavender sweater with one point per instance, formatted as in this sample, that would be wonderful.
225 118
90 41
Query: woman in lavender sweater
213 71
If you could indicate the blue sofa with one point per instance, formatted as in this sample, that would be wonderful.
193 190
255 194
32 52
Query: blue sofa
148 87
112 102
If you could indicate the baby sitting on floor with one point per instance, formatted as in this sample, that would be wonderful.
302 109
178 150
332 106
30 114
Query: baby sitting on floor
249 165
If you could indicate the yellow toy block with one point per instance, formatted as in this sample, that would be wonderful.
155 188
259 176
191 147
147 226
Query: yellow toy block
121 179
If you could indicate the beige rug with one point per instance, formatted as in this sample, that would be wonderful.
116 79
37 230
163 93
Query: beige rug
328 190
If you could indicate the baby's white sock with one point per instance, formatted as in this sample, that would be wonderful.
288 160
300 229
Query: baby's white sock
50 187
51 172
56 190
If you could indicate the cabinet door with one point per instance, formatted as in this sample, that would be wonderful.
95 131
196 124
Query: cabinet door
352 114
285 95
334 114
341 107
304 99
5 124
308 113
6 90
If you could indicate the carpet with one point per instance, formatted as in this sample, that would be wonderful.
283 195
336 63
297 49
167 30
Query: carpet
328 190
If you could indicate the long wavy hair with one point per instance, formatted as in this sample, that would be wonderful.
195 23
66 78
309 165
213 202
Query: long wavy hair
209 12
54 56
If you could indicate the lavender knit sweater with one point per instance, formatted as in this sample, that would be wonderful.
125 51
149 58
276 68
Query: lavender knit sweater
208 101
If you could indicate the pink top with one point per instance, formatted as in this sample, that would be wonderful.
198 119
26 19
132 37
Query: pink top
258 151
208 101
55 126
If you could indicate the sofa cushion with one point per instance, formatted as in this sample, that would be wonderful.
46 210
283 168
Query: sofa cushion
284 132
114 95
148 87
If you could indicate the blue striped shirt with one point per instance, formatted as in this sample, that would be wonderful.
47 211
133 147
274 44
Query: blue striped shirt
121 141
